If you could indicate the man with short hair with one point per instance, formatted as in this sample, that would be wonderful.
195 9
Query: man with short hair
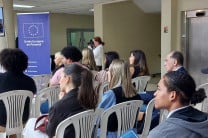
174 62
70 54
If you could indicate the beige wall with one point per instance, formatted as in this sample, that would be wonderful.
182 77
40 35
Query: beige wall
126 27
59 24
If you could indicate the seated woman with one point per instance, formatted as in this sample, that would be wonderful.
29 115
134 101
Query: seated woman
121 90
58 57
176 92
88 59
138 64
109 57
77 95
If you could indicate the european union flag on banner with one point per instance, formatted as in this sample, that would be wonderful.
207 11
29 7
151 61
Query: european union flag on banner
32 30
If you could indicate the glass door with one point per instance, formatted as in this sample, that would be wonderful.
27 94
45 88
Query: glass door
79 37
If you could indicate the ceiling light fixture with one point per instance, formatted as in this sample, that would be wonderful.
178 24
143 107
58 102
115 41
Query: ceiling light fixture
22 6
91 10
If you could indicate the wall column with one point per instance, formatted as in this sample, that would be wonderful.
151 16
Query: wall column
98 20
168 29
8 41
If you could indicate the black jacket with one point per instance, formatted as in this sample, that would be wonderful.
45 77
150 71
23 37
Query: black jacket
120 97
61 110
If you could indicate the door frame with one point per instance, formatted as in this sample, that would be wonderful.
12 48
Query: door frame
70 30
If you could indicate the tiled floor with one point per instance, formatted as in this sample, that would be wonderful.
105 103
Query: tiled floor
152 84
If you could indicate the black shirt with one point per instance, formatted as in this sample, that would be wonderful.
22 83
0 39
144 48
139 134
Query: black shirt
15 81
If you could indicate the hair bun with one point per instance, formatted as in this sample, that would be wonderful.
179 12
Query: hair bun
198 96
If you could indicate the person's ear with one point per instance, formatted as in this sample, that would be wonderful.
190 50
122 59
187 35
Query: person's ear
68 79
175 62
69 61
172 96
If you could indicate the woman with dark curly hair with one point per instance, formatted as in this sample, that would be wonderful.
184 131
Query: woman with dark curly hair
14 62
176 92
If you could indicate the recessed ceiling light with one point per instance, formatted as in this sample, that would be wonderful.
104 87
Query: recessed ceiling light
22 6
91 10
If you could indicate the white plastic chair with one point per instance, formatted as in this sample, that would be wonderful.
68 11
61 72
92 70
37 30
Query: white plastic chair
102 88
126 113
84 124
41 81
14 102
204 104
148 119
140 82
50 93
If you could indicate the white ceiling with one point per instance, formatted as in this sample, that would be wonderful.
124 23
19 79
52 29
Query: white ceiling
79 6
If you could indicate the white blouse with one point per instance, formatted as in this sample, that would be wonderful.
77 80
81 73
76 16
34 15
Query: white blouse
98 54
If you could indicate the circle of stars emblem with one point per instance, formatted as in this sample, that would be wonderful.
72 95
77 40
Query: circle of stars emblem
33 30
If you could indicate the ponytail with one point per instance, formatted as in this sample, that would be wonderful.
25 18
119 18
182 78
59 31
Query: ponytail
86 95
198 96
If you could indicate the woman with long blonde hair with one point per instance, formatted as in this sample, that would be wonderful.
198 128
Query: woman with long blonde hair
119 75
88 59
121 90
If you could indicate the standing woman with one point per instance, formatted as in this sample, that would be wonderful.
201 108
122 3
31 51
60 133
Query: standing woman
138 64
98 51
176 92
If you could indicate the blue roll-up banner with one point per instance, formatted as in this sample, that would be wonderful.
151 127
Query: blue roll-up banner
34 40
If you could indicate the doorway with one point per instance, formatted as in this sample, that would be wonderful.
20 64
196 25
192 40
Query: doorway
79 37
195 43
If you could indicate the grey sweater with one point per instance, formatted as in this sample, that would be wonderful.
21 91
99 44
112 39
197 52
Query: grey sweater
185 123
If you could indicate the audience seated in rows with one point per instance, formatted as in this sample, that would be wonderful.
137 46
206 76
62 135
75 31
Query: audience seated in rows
76 95
70 54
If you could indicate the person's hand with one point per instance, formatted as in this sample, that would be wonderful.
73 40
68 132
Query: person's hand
89 47
61 95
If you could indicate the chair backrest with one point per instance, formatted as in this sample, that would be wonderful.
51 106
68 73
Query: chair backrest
204 106
14 102
140 82
126 113
84 123
148 118
102 88
41 81
51 93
